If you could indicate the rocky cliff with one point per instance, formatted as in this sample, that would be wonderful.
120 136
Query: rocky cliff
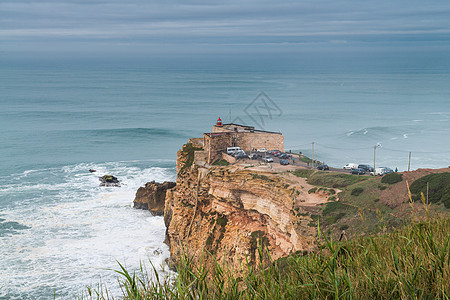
152 197
232 211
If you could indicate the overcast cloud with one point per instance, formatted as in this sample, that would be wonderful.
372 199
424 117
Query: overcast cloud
209 26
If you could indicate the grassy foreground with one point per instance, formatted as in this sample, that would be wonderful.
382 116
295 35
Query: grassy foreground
410 263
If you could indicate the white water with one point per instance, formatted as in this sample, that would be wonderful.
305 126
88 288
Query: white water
76 231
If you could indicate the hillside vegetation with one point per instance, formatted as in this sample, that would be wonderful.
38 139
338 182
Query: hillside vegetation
438 188
369 204
410 263
369 258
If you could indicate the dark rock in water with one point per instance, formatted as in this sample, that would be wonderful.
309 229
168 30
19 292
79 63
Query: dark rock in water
109 180
92 170
153 197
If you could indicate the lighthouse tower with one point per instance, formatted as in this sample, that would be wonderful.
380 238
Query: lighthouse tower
219 122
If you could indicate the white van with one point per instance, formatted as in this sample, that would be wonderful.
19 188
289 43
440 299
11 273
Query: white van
232 150
350 166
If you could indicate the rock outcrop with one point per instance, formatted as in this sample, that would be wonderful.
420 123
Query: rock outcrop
152 197
231 212
109 180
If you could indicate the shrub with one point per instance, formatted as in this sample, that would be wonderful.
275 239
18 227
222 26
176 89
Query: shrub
313 190
261 176
344 227
334 218
222 221
357 191
305 159
331 207
391 178
416 267
303 173
221 162
188 151
382 187
333 180
376 200
438 188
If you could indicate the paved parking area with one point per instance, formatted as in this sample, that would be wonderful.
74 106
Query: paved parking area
294 163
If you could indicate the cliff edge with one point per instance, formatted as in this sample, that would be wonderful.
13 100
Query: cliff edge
232 211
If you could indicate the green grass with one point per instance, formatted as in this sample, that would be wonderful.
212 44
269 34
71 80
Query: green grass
334 180
304 173
344 227
221 162
391 178
305 159
411 263
188 151
261 176
222 221
313 190
438 188
362 211
334 211
357 191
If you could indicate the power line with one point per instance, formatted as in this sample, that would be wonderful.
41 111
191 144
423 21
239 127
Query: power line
407 151
338 148
306 145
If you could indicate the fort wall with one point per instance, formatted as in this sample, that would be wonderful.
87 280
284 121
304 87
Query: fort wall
200 156
257 140
228 158
196 141
215 144
235 135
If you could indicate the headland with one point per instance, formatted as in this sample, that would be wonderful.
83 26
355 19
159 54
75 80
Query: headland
230 207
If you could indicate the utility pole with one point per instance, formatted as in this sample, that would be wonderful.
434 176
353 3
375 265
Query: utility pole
265 152
374 149
312 158
409 161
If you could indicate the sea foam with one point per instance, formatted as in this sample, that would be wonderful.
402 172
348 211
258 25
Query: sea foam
76 231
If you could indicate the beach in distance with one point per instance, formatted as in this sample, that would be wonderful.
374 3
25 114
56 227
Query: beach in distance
129 117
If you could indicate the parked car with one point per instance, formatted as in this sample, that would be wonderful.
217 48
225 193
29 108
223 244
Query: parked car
268 159
387 171
350 166
358 171
262 150
323 167
283 156
241 155
284 162
273 152
366 168
381 171
253 156
238 152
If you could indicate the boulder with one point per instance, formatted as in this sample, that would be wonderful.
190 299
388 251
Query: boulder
152 197
109 180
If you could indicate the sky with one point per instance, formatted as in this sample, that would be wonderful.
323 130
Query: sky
174 27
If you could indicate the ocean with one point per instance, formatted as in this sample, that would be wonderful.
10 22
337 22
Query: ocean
60 231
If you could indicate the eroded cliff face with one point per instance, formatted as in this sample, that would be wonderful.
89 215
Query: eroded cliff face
232 211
